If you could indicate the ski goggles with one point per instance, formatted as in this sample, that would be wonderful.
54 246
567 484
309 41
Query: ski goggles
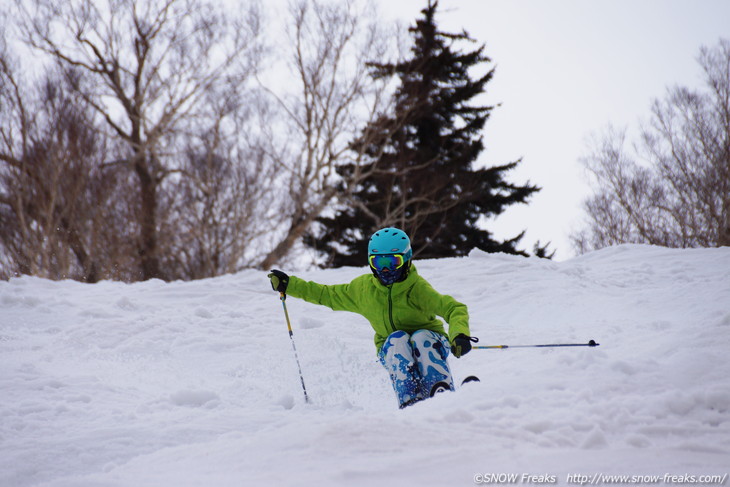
386 261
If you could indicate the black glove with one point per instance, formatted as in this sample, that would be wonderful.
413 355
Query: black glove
279 280
461 344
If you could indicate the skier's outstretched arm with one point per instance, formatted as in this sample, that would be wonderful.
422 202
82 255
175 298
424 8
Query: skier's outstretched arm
338 297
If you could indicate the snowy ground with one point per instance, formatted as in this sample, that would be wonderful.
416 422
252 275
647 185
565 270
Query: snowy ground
195 384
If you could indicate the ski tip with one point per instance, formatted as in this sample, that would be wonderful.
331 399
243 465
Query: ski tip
593 343
471 378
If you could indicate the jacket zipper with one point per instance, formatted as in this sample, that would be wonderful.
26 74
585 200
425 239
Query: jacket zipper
390 307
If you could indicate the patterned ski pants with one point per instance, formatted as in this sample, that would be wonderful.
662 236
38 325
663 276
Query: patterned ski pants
416 363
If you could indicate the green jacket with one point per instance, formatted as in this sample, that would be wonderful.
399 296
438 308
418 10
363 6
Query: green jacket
409 305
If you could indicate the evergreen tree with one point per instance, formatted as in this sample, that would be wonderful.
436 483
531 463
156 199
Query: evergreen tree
421 174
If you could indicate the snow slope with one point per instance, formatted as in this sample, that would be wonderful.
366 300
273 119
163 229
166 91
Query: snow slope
195 383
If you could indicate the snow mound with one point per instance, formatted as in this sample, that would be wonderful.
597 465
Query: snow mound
195 383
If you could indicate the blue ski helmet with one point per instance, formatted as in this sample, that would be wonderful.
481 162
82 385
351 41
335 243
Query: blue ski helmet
390 241
389 255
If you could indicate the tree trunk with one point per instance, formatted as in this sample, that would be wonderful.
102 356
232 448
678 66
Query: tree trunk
723 239
147 245
296 230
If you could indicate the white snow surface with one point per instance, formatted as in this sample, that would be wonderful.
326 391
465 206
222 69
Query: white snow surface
196 384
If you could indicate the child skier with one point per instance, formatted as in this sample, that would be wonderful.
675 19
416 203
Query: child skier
401 306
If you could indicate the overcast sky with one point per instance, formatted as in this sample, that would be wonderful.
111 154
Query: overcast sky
564 70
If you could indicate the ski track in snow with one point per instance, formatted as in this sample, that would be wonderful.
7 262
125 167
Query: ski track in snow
195 383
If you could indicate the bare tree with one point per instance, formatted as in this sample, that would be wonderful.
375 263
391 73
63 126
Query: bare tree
191 184
673 188
53 198
331 44
227 186
144 66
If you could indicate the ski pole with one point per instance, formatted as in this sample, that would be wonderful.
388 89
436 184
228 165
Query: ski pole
293 346
591 343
